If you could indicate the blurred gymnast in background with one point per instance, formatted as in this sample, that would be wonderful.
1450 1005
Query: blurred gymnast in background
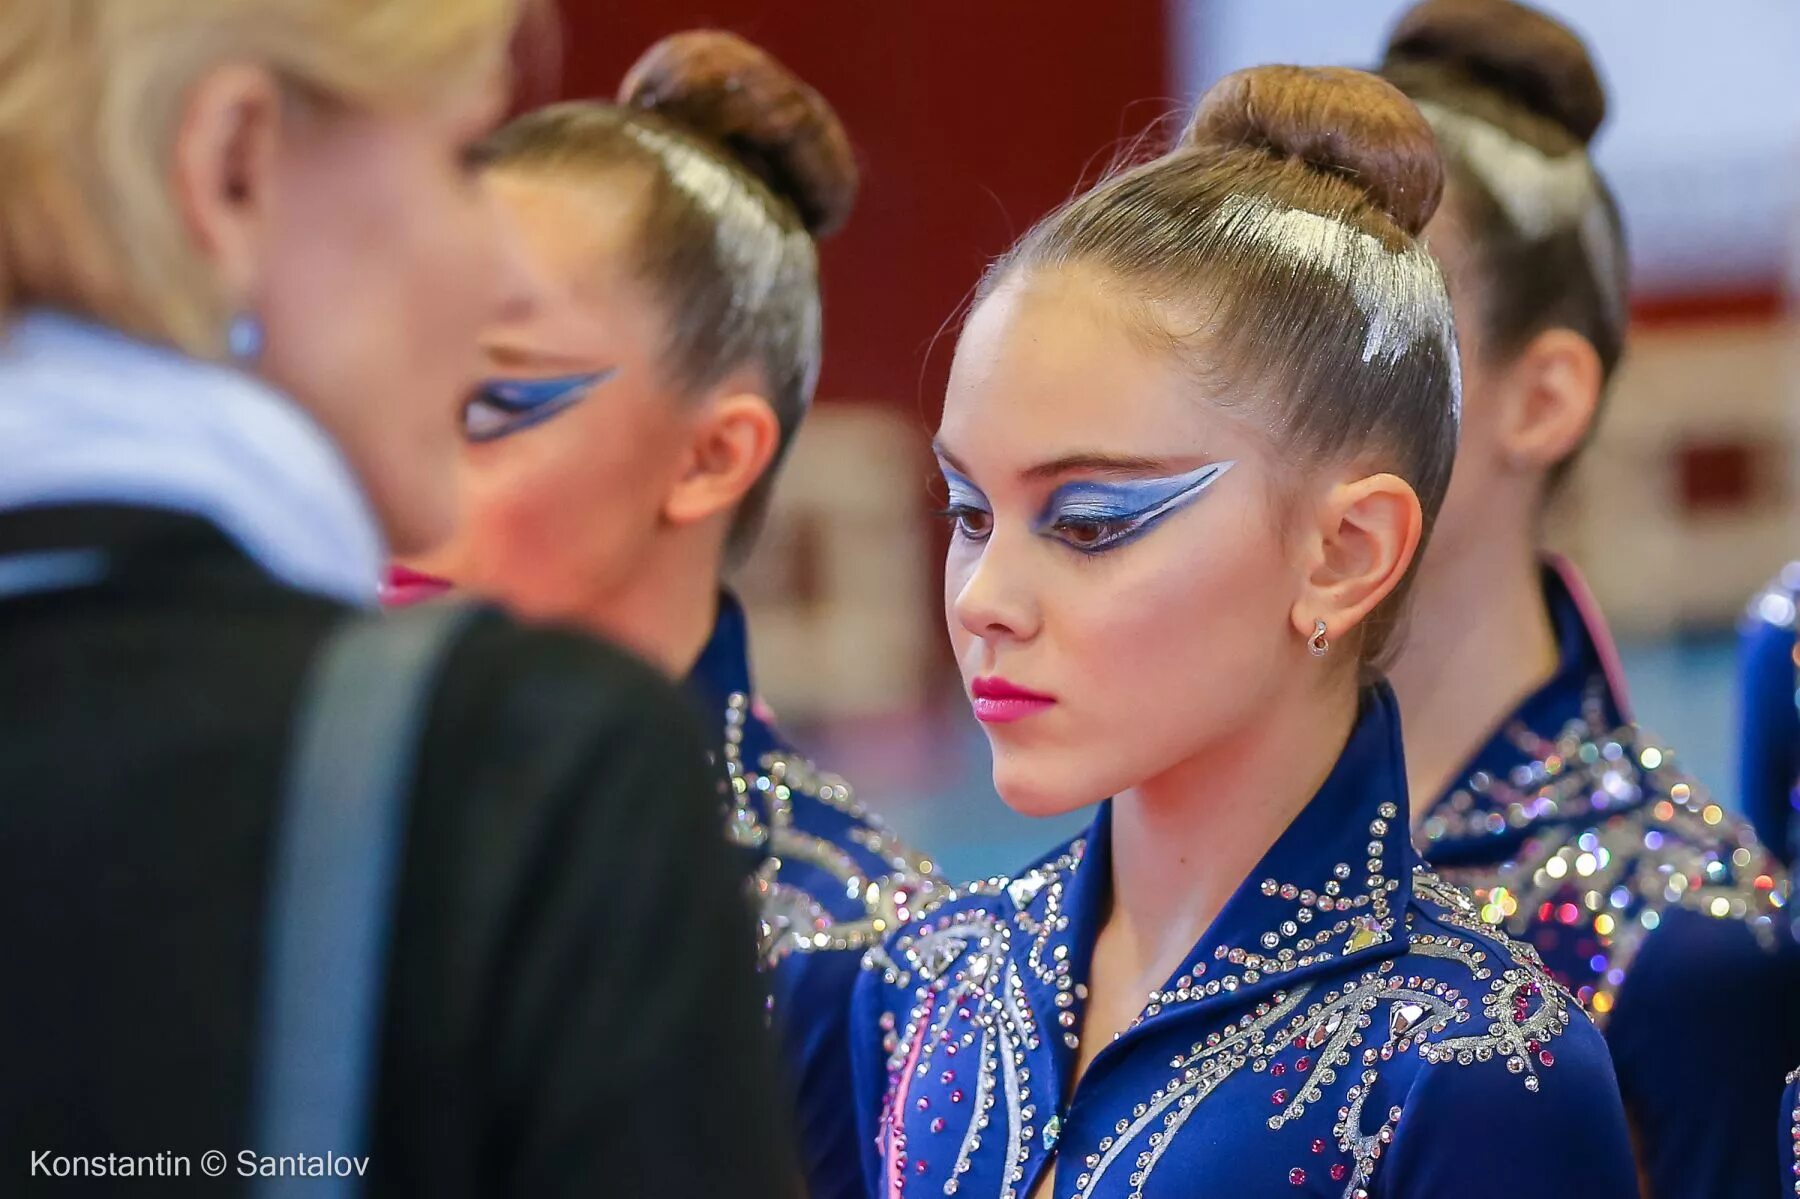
1769 713
1575 830
246 252
622 455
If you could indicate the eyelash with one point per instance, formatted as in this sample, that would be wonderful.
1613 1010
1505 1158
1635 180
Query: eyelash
967 523
959 515
1112 531
474 157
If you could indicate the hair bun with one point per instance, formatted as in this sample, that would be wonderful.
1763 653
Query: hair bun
720 86
1528 57
1334 119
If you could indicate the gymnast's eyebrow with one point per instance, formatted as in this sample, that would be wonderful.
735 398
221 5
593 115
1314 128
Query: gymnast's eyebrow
1084 462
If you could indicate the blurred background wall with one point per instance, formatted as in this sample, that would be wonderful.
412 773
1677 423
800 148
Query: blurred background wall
974 117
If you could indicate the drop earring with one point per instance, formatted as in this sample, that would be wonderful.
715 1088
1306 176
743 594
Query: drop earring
1317 643
244 338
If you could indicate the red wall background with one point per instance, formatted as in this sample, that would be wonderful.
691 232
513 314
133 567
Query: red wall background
971 119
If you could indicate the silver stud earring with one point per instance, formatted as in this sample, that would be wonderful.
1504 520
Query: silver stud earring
244 338
1318 644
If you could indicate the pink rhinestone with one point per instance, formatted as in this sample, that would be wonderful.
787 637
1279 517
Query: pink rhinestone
1279 1098
1318 1146
921 1167
956 1096
1278 1069
1297 1176
1338 1171
1303 1065
924 1103
937 1125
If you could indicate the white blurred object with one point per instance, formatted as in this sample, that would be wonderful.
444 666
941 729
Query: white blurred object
1703 114
1657 563
838 588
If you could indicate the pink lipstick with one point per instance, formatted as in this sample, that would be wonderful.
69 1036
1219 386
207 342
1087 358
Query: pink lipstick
406 587
997 701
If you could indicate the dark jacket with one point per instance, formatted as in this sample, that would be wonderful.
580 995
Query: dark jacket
571 1004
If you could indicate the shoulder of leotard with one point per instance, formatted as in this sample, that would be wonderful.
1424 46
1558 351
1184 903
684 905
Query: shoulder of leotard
1663 822
1507 998
958 918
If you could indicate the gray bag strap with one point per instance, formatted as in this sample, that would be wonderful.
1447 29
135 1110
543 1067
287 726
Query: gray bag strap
337 859
50 570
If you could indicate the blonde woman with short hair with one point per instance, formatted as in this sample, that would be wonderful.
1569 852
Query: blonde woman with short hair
280 905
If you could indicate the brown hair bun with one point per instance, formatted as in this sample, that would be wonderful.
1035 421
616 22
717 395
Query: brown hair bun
720 86
1527 57
1336 120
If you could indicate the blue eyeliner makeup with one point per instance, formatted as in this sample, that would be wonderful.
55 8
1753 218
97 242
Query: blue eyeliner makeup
506 406
1093 517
